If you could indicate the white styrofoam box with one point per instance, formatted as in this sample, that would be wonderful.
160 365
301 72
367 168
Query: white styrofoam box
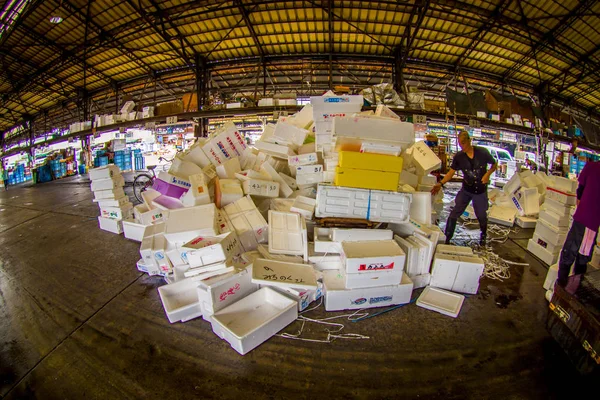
453 250
551 277
133 230
310 179
119 213
148 197
384 111
502 215
248 223
229 168
180 300
551 234
420 207
470 271
248 323
541 253
289 134
373 130
291 182
337 297
209 271
183 169
110 225
366 256
552 248
513 184
323 242
181 182
420 281
303 159
527 201
526 222
441 301
159 251
423 158
372 278
220 291
302 296
360 235
424 188
556 207
198 193
107 184
263 251
444 270
196 155
427 180
305 206
430 246
381 148
147 217
324 261
185 224
408 178
560 196
110 171
565 184
284 205
303 118
307 191
261 188
112 202
308 169
277 150
285 233
410 227
422 250
206 250
554 219
227 191
374 205
284 189
283 274
411 251
128 107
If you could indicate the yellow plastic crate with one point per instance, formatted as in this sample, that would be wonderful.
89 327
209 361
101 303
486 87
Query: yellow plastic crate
370 161
364 179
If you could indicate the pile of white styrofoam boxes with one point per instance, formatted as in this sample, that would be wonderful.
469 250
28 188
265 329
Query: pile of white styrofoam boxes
554 220
107 185
327 107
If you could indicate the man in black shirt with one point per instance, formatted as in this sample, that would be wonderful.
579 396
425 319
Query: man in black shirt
473 162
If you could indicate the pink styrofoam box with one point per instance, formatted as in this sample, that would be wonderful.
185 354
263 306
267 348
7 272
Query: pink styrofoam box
167 189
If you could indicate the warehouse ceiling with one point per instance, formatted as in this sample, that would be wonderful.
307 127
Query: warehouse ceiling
151 46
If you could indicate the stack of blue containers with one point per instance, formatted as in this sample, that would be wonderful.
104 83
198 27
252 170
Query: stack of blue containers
123 159
139 159
17 176
59 170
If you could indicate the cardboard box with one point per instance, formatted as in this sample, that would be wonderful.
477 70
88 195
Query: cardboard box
337 297
366 256
371 162
358 178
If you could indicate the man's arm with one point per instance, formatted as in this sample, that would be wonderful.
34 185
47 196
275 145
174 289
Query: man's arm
446 179
486 178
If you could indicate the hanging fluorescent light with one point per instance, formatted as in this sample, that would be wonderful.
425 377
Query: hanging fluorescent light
56 20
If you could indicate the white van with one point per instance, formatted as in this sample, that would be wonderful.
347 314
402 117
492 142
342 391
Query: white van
501 155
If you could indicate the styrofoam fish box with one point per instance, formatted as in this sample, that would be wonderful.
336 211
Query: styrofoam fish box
427 180
302 296
133 230
183 169
565 184
337 297
112 202
323 243
409 179
513 184
420 281
444 270
420 207
550 233
206 250
248 323
229 168
277 150
302 159
370 279
453 250
441 301
227 191
502 215
470 271
324 261
305 206
372 130
561 197
261 188
117 212
218 292
107 184
552 248
554 219
180 300
286 234
541 253
556 207
147 217
251 228
198 194
290 134
310 179
283 274
381 148
359 235
366 256
110 171
110 225
185 224
374 205
423 158
284 188
526 222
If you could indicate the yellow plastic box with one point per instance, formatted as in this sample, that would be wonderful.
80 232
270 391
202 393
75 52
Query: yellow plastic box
364 179
370 161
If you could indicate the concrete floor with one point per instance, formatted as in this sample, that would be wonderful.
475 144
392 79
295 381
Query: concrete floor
77 320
